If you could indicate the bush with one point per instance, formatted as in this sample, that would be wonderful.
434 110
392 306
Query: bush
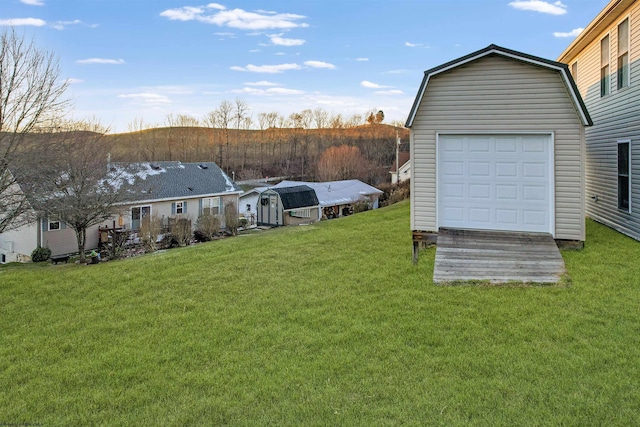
231 218
394 193
207 227
40 254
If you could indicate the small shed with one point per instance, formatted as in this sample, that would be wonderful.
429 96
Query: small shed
288 206
337 198
497 143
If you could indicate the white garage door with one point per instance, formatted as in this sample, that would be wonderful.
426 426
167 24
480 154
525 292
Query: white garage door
496 182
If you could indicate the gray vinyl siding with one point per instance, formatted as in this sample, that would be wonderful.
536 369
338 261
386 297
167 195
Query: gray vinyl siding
497 94
615 117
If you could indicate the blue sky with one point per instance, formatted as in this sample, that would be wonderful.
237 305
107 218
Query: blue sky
144 59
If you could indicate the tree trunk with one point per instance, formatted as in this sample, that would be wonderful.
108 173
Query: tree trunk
81 237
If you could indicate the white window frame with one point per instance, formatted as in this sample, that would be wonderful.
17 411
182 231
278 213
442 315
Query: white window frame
623 72
628 176
210 203
300 213
605 68
179 208
53 224
141 207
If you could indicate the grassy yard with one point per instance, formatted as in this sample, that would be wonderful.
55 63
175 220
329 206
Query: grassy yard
327 324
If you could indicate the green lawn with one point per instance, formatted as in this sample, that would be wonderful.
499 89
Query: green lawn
327 324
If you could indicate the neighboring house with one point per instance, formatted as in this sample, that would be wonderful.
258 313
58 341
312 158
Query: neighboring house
497 143
604 60
404 165
288 206
336 198
169 190
248 204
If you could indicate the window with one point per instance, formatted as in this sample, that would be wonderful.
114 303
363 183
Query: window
624 188
211 206
604 66
301 213
179 208
574 71
623 54
138 214
54 224
248 207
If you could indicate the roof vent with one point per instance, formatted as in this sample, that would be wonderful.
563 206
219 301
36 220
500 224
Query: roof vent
190 188
155 166
203 166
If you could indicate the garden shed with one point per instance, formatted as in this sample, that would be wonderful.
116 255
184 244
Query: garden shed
497 143
293 205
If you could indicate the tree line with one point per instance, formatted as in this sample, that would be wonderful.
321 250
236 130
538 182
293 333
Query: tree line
272 145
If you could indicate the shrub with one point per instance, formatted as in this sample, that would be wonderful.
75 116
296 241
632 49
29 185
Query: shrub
181 231
40 254
207 227
150 229
231 218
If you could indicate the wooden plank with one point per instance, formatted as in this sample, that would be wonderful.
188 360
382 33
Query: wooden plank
497 257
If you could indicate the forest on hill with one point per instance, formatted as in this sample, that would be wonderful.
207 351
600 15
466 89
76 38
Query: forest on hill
364 152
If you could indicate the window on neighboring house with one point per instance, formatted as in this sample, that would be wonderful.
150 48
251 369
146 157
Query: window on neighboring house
624 188
604 66
301 213
54 224
623 54
179 208
138 214
574 71
248 207
210 206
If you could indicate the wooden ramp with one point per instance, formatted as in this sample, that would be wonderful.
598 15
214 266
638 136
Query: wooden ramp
497 257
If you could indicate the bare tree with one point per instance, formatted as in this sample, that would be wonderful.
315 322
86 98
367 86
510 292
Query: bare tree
321 118
80 186
342 162
31 96
224 115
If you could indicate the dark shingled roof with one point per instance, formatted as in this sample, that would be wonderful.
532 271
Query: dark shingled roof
168 180
299 196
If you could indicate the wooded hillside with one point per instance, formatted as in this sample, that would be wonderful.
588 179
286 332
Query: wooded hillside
251 154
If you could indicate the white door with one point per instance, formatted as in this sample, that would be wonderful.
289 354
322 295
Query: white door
496 182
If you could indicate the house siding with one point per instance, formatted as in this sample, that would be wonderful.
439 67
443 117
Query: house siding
17 245
497 94
615 118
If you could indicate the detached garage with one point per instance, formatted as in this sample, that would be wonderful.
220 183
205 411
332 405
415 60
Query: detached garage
497 143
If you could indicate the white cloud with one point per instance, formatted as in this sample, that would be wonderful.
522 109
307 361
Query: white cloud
284 91
409 44
362 59
17 22
371 85
389 92
72 81
319 64
573 33
147 98
395 72
281 41
33 2
60 25
557 8
217 14
270 69
270 91
100 61
261 83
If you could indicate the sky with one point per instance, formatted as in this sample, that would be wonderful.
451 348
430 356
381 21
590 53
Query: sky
140 60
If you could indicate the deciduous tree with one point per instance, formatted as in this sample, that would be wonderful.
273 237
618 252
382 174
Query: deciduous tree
31 96
342 162
79 184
